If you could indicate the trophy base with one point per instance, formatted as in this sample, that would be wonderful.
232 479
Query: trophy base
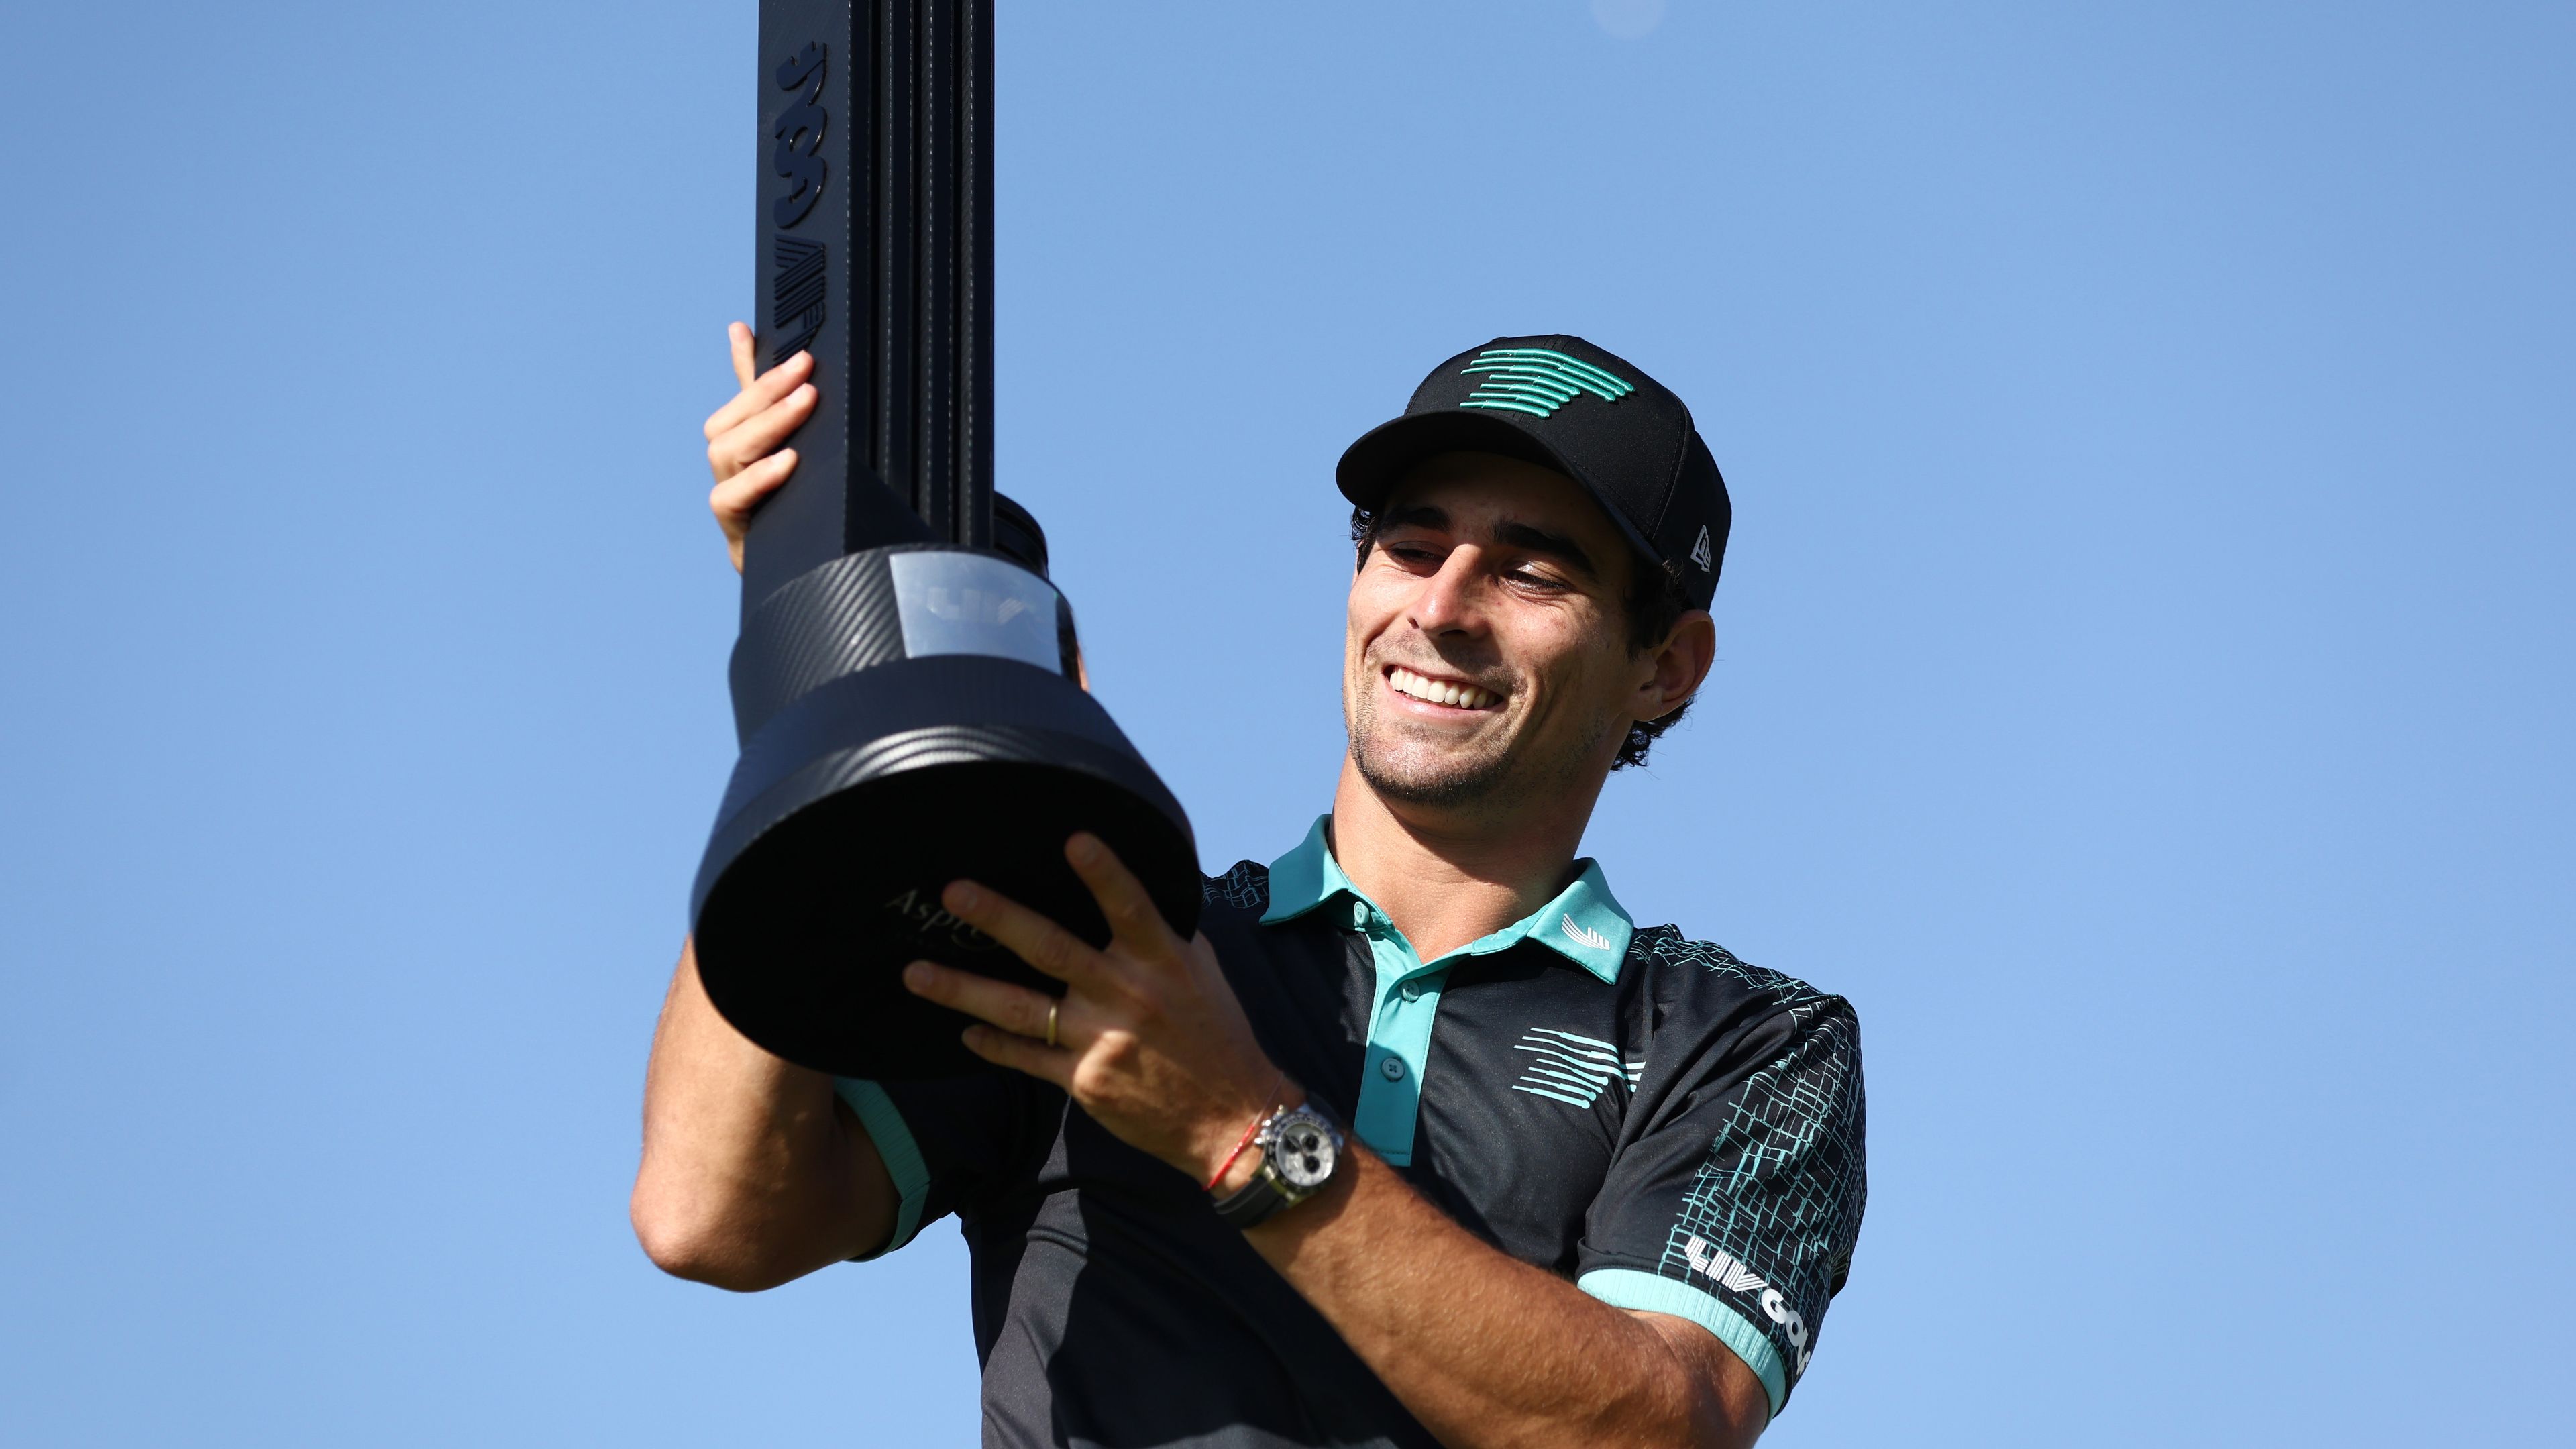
823 880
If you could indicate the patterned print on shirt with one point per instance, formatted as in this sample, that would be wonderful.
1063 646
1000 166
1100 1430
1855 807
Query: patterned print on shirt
1784 1181
1246 887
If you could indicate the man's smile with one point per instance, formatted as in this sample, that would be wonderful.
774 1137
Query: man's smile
1455 694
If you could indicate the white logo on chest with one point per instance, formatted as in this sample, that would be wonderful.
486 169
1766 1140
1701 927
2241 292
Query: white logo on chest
1571 1069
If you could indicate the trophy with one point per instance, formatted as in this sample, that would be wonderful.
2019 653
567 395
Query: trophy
905 684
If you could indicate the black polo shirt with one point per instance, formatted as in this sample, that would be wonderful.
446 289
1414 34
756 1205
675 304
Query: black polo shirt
1656 1121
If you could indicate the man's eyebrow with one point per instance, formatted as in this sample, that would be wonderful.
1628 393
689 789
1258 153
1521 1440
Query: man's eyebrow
1417 515
1530 538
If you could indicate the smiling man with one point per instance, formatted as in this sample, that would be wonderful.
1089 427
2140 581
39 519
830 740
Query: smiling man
1421 1140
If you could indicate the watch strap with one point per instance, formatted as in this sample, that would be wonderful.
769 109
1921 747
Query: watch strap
1253 1203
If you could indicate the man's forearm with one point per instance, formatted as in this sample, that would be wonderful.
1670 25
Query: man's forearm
753 1172
1490 1351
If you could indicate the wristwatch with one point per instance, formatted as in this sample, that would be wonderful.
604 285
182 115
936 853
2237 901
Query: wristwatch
1300 1147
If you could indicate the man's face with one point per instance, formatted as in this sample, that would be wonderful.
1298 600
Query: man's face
1488 644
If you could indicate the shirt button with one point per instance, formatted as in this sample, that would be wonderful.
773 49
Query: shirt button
1391 1068
1412 991
1359 914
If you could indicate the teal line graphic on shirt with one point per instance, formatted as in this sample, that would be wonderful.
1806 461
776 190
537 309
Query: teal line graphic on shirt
1538 380
1571 1069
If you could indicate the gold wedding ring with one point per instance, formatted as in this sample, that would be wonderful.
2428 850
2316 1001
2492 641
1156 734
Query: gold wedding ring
1053 1007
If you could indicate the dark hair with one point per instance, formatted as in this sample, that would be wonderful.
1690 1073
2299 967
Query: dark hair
1655 603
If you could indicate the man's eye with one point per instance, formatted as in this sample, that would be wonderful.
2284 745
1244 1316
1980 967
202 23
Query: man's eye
1531 578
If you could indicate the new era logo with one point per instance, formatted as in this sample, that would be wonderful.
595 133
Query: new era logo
1700 552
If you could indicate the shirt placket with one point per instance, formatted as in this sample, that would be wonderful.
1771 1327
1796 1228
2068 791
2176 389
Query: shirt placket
1407 999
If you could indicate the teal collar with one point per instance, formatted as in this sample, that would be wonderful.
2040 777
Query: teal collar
1585 923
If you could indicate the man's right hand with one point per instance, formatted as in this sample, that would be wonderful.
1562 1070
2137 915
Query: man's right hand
744 436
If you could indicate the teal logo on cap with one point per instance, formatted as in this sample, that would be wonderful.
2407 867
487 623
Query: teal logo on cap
1538 380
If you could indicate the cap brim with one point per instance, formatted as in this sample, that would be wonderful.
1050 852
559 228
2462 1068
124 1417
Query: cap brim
1371 467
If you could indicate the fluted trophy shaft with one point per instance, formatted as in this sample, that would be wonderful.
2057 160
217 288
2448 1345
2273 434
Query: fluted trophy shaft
875 252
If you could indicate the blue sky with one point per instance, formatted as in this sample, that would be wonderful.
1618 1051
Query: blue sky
2144 685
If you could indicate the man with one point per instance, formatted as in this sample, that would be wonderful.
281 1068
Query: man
1420 1140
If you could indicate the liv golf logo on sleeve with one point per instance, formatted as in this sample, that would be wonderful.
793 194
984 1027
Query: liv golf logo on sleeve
1733 1275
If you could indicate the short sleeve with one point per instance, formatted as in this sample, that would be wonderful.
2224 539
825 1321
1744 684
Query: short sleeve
950 1144
1735 1197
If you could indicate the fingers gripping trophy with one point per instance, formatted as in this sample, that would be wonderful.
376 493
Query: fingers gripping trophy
906 685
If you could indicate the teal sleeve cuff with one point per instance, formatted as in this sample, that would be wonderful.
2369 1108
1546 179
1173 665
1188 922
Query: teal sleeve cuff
902 1155
1654 1293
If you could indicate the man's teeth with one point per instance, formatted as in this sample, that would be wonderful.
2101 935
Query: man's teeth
1463 696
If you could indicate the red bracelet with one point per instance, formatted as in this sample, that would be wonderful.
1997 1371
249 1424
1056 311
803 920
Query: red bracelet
1248 1134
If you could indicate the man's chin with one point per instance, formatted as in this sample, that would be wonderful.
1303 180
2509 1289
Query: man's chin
1431 778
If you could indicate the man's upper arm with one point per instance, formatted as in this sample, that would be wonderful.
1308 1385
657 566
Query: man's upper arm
751 1173
1734 1407
1735 1200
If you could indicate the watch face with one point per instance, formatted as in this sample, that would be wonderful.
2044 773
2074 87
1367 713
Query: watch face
1304 1153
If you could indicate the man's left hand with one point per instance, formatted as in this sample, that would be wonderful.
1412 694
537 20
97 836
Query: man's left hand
1149 1037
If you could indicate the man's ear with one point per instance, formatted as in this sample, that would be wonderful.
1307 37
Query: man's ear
1681 665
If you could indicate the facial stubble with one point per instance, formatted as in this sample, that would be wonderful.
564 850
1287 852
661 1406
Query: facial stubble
1497 768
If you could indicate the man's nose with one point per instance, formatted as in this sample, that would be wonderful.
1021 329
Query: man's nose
1449 599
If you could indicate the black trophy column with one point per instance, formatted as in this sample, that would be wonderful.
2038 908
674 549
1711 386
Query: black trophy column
905 691
876 253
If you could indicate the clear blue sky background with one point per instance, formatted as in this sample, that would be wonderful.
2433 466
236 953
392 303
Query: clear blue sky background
2145 685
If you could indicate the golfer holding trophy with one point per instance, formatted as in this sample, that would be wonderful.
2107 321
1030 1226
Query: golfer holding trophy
1410 1136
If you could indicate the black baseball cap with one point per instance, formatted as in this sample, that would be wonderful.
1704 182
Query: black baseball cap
1562 403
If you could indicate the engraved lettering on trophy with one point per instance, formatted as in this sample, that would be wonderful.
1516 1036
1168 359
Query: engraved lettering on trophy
799 133
929 920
